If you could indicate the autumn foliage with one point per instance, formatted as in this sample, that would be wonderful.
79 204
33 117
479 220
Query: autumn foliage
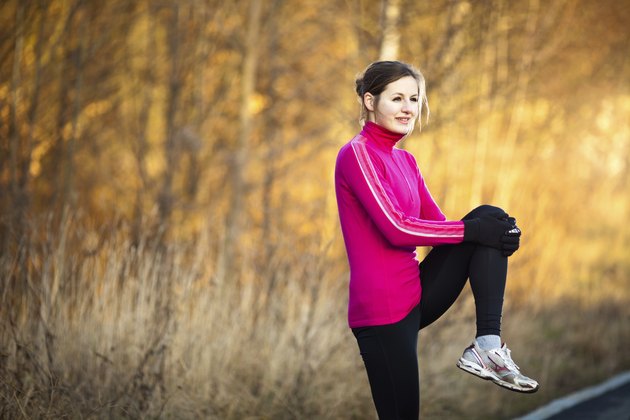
169 243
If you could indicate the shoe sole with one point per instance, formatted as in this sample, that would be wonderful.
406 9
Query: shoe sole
488 375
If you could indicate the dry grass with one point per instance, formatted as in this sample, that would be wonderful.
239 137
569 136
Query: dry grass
113 329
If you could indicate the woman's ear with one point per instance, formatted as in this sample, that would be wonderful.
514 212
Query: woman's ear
368 101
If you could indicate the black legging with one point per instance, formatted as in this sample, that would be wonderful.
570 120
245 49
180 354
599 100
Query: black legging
390 351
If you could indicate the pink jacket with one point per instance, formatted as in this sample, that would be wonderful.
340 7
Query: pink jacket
385 211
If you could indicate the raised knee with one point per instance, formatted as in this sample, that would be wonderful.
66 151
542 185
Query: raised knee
484 209
488 209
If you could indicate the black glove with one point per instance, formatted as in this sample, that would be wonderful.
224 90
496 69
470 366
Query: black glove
511 240
487 230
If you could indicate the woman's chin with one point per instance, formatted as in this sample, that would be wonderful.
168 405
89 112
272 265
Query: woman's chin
405 128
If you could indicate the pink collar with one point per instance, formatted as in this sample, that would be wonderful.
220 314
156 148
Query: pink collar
384 138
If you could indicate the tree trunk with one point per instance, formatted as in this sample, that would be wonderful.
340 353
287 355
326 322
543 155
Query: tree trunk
141 146
390 40
68 196
14 132
33 106
239 158
487 54
508 169
171 152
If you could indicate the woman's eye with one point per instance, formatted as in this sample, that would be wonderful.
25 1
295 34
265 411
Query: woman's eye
414 99
397 99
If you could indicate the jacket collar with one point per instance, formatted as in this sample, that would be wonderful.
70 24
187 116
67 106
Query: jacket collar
382 137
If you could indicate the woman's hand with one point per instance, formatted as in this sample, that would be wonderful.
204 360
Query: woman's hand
488 230
511 240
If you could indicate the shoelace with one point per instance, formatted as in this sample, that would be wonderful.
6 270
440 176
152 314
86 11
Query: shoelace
506 356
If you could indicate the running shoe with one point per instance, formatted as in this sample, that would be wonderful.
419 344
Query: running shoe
497 366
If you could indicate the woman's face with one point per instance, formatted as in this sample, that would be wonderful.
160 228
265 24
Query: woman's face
397 106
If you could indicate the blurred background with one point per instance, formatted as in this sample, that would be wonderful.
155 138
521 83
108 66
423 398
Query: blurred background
169 242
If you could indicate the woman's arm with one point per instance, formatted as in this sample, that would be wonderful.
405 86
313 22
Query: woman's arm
371 188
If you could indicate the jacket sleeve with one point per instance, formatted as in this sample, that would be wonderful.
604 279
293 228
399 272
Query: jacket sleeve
371 188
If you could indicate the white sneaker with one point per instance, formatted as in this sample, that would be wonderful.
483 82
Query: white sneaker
496 365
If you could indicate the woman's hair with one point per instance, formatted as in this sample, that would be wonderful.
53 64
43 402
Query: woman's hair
379 74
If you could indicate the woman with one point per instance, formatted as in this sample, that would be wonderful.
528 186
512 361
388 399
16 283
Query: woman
386 211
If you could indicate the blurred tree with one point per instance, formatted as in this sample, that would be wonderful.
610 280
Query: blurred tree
128 109
239 155
391 32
